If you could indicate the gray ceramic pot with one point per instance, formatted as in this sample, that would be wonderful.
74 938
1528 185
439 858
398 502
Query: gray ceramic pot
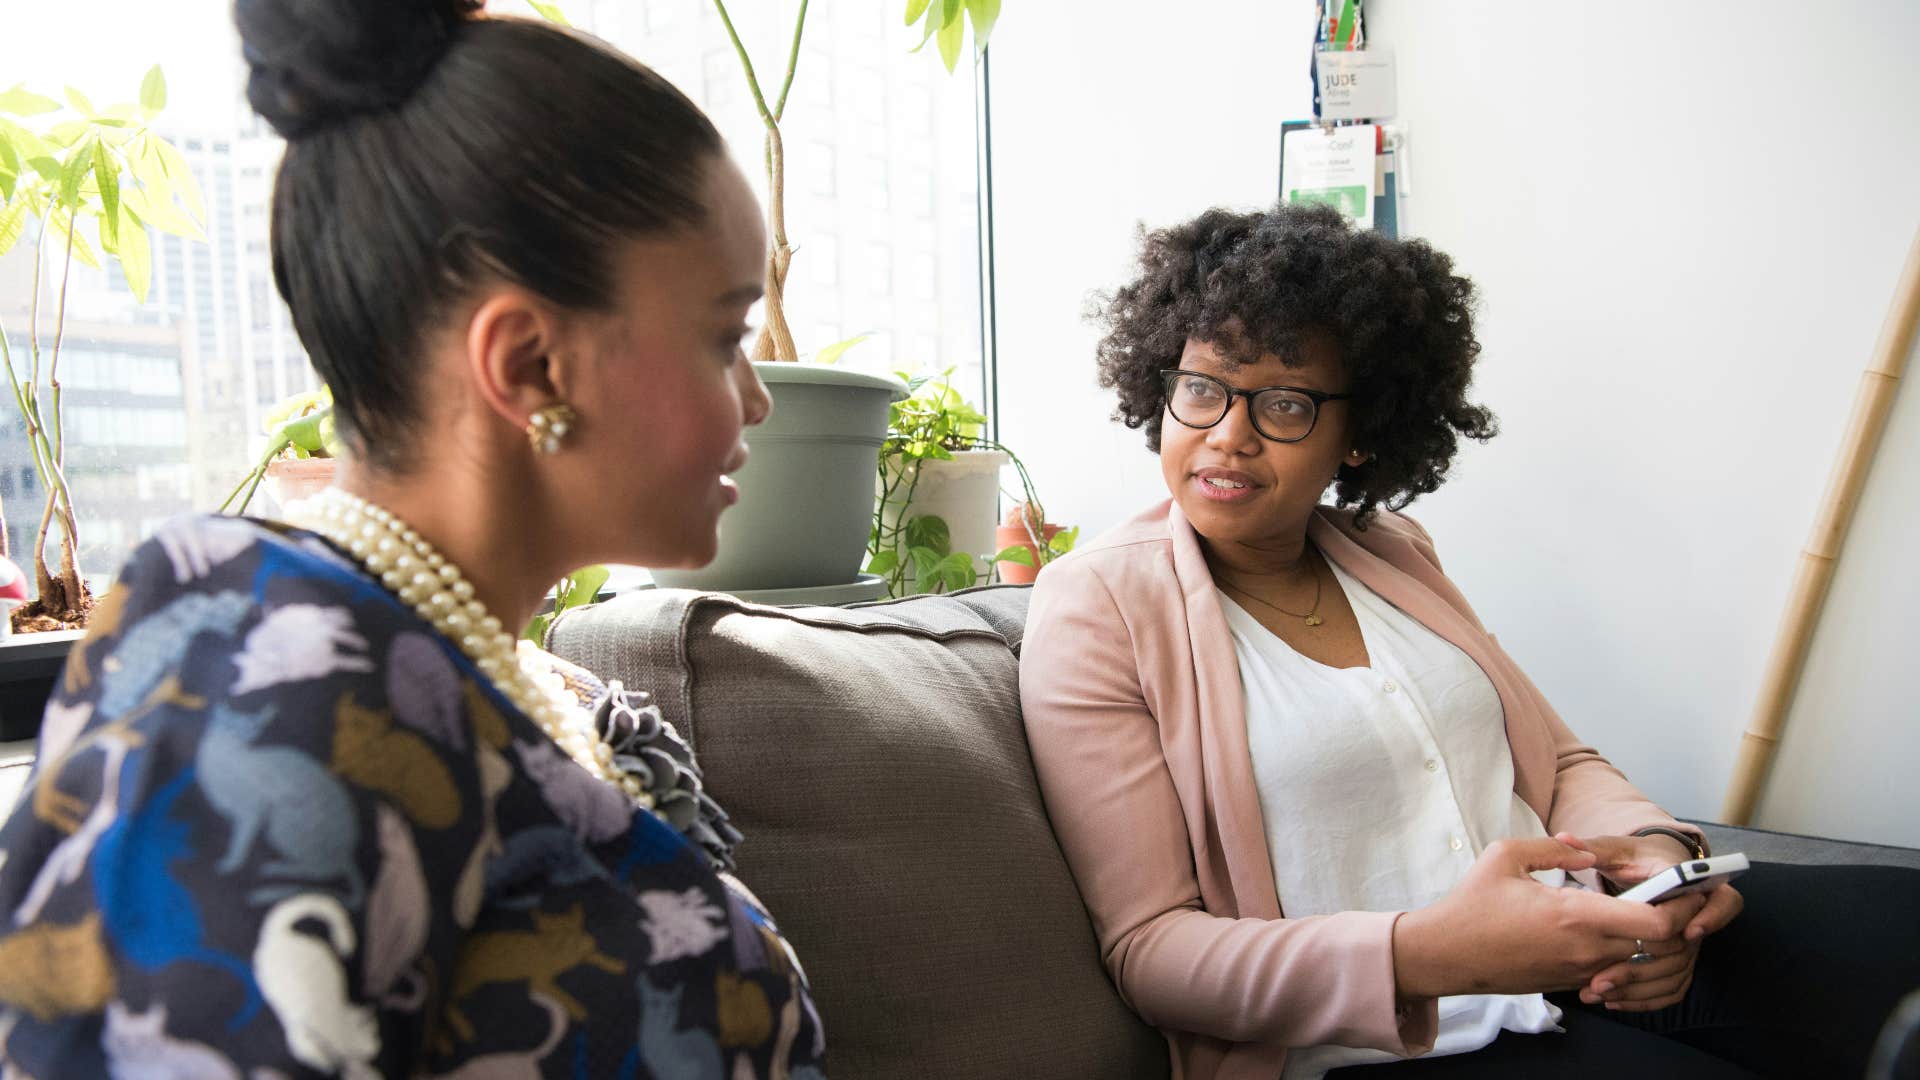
806 495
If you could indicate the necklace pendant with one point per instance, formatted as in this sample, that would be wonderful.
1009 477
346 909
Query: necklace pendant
1314 620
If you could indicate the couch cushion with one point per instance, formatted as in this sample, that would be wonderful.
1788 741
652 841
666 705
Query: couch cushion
875 759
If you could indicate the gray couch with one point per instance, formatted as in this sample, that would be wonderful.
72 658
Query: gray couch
875 759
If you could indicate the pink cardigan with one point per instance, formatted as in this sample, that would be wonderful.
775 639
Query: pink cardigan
1136 719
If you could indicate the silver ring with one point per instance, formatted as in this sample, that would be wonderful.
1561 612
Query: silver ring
1640 953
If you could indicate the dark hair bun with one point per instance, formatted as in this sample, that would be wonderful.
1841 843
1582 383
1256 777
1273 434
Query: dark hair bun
315 62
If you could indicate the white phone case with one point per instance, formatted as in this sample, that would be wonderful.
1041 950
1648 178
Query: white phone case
1694 875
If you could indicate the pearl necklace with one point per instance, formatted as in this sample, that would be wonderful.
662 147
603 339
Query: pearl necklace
409 567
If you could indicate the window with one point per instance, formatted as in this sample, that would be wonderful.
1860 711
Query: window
165 400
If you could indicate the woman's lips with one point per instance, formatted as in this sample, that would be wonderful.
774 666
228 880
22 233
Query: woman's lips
1217 487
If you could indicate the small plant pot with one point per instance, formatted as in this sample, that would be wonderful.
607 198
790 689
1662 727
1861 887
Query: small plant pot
290 480
964 492
1006 536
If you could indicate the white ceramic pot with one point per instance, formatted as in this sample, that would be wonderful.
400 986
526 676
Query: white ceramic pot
964 493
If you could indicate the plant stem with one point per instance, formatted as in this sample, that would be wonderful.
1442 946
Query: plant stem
67 600
793 64
776 339
258 474
69 519
746 63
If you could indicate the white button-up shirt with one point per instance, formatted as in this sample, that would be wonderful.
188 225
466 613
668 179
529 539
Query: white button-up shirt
1380 786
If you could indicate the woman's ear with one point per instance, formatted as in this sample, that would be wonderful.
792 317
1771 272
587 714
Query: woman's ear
513 355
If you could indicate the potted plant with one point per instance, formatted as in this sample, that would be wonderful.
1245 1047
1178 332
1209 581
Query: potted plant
301 454
1028 541
805 494
89 182
936 522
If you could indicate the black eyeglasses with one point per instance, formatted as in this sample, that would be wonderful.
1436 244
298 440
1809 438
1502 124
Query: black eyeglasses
1280 413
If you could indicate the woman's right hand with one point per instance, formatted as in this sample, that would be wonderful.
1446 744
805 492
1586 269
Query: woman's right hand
1501 932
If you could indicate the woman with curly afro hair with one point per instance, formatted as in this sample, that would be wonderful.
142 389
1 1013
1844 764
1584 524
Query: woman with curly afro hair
1317 814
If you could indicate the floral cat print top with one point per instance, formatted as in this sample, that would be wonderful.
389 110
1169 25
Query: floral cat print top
282 828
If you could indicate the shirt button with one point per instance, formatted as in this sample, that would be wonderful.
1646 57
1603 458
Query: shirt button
1432 765
1454 844
1389 686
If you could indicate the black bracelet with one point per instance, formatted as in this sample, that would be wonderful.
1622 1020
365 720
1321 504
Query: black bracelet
1696 845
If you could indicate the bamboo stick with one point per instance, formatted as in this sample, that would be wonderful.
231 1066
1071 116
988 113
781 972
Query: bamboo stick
1872 404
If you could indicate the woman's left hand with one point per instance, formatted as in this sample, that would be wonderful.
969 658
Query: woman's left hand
1662 981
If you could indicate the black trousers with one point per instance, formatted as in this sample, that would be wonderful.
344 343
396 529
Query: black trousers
1797 986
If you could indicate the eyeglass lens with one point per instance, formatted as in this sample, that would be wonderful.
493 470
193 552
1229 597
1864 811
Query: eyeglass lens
1199 401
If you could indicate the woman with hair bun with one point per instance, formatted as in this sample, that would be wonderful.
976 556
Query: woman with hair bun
302 805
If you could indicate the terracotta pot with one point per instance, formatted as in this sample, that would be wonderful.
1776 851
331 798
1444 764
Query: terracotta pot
1006 536
290 480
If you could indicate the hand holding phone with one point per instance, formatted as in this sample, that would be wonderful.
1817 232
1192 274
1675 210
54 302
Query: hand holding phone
1692 876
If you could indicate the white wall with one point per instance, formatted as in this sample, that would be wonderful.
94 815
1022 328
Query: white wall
1686 235
1101 123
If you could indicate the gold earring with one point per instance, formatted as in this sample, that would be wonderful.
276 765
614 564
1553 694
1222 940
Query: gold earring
548 427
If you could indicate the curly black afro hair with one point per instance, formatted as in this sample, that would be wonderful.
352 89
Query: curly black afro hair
1253 284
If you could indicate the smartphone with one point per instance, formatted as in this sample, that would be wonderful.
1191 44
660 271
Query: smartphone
1692 876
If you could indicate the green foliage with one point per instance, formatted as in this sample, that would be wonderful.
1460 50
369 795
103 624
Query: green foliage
550 12
88 174
945 23
91 182
578 589
301 426
914 552
832 353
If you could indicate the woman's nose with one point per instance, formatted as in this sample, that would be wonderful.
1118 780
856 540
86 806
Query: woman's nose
755 403
1235 430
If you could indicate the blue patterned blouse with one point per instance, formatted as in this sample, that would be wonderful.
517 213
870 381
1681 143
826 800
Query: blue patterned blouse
282 827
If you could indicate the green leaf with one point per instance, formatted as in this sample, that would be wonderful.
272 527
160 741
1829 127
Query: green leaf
832 353
60 227
926 568
1063 540
884 563
983 13
931 24
136 255
957 571
536 630
915 9
161 215
74 171
303 432
153 92
952 36
582 587
13 222
67 133
80 103
106 176
1019 554
180 176
929 531
21 102
330 434
550 12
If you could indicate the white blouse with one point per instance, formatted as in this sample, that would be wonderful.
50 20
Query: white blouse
1379 787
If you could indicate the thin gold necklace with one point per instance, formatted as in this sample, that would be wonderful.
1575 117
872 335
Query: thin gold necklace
1312 616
